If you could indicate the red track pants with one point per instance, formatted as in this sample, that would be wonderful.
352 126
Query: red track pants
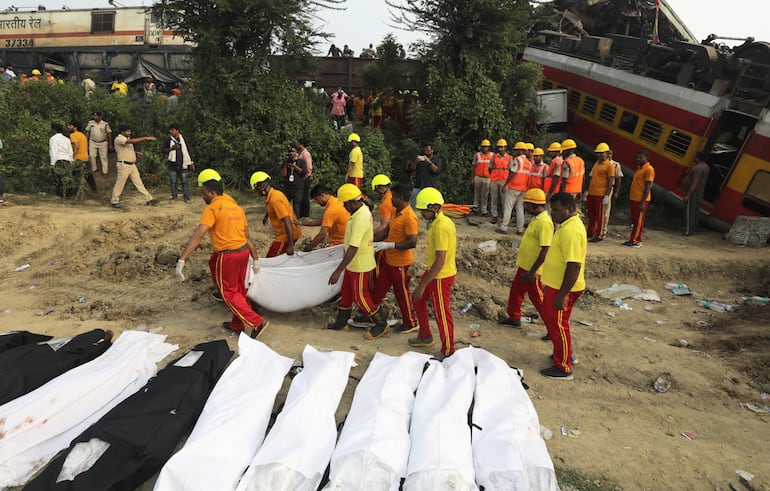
438 291
595 216
398 278
516 297
355 288
557 323
638 214
228 271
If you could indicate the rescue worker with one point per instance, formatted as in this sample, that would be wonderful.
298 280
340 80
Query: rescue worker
386 210
552 182
333 221
573 171
516 186
498 175
539 170
226 224
599 191
480 177
355 172
279 212
640 194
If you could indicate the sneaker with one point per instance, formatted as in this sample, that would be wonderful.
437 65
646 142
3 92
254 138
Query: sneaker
635 245
116 205
421 342
595 239
555 373
152 202
546 338
402 329
501 231
257 331
362 321
509 322
376 332
217 296
227 326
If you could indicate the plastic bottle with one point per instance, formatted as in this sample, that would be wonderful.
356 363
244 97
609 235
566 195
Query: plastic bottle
756 299
715 306
466 308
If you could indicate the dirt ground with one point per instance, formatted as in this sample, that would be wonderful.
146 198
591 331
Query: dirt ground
92 266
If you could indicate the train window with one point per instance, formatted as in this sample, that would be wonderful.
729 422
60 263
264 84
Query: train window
547 85
102 22
651 132
589 106
628 122
677 143
759 187
607 114
574 98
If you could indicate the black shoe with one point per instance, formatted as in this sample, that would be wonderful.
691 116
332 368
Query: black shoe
362 321
341 322
116 205
257 332
510 322
555 373
217 296
595 239
173 198
187 200
419 342
227 326
152 202
377 331
546 338
402 329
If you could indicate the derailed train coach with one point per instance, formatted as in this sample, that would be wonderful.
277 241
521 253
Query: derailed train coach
106 43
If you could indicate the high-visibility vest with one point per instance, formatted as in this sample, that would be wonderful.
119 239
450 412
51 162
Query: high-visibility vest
481 164
499 166
537 176
577 169
520 178
551 176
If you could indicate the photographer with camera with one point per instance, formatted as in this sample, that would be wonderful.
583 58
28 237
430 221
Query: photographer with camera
294 171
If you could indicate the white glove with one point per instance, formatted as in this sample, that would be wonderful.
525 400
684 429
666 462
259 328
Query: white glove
381 246
179 268
606 200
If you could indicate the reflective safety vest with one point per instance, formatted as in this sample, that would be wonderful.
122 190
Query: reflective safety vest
577 168
520 178
551 176
498 167
537 176
481 164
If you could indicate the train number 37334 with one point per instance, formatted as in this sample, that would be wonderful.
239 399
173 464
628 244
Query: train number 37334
19 43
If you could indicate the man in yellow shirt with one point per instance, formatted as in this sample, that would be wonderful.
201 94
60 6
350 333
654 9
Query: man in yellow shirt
599 191
226 224
333 221
357 266
532 251
280 214
436 283
355 172
564 282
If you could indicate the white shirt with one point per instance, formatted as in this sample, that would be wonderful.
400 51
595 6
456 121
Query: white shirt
60 148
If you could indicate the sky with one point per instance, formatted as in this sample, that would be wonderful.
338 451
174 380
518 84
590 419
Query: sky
368 21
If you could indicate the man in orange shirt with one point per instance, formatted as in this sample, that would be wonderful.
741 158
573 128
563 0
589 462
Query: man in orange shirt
599 190
539 170
226 224
386 210
640 194
480 177
498 174
80 153
280 214
572 171
516 186
334 219
552 182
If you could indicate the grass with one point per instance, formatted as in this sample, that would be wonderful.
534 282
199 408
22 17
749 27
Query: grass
574 480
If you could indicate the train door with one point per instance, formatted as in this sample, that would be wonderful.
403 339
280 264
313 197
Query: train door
153 30
724 149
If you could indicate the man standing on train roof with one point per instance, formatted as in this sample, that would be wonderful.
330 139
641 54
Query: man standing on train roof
572 170
226 224
280 214
599 192
640 195
333 222
480 178
552 182
357 266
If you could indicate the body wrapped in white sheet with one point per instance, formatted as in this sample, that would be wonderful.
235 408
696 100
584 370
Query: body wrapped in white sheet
232 425
373 448
298 447
289 283
37 425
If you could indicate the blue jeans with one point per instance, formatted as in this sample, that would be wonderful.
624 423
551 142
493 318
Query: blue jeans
175 174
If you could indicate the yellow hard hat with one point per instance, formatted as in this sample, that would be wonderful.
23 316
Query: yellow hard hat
520 146
530 146
602 147
535 196
380 180
568 143
348 192
538 151
485 143
427 197
353 137
501 143
258 177
554 147
35 72
207 175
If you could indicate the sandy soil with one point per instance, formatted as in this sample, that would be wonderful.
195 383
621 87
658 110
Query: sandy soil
92 266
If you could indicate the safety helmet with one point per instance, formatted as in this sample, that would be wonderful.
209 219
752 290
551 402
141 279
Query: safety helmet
554 147
520 146
348 192
207 175
568 143
35 72
602 147
380 180
353 137
501 143
485 143
538 151
530 146
258 177
535 196
427 197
